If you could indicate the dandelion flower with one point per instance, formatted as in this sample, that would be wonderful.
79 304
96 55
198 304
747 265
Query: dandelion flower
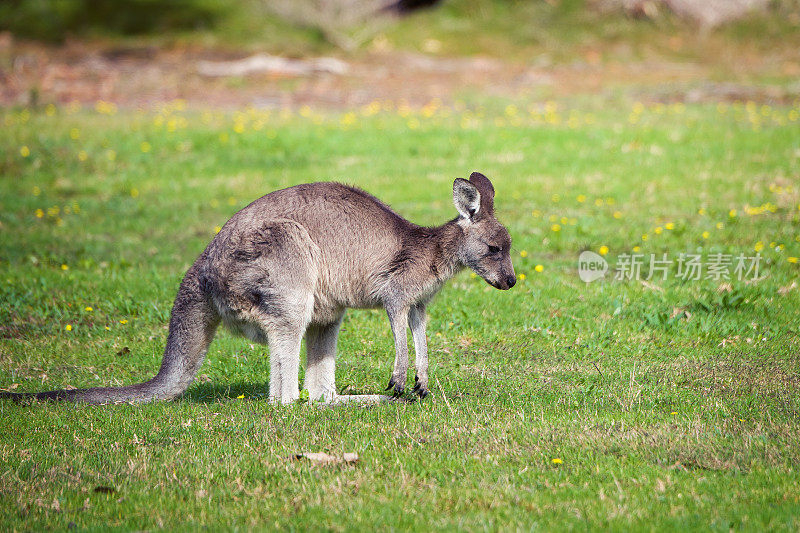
24 151
792 259
39 213
522 277
701 211
523 253
658 230
706 235
68 327
581 198
123 321
720 225
557 461
603 250
617 214
555 227
240 397
669 225
759 246
539 268
732 213
637 249
64 267
674 413
88 308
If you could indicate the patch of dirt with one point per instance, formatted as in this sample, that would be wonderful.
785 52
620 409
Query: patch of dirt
147 76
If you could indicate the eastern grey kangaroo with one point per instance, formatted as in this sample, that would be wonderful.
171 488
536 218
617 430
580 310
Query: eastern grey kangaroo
290 263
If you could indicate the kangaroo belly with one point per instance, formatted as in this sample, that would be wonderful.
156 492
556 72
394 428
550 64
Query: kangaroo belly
330 301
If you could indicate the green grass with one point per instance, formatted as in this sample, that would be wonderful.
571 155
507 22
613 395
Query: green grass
670 404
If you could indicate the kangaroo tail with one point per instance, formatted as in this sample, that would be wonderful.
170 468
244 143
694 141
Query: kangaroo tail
191 329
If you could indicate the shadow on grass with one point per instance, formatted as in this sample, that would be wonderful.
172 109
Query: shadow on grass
211 392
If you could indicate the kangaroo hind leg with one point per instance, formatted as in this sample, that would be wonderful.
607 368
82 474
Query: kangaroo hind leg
321 360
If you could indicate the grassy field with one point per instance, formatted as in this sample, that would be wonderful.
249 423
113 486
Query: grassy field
619 404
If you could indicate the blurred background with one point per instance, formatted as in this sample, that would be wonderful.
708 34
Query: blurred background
344 53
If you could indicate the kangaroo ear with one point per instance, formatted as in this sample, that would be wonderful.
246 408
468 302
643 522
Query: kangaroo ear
486 189
466 198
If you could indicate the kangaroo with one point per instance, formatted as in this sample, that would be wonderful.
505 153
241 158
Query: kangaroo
289 264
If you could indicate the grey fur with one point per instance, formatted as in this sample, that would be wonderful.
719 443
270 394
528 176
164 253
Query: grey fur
290 263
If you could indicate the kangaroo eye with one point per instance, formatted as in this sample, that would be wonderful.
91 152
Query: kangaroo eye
494 249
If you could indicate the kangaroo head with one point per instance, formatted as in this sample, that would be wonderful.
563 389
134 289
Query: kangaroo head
486 247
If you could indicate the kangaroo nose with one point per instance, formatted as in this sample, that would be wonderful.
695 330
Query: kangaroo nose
511 281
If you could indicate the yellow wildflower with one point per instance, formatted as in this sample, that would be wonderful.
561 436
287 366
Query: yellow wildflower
557 461
68 327
539 268
523 253
24 151
603 250
555 227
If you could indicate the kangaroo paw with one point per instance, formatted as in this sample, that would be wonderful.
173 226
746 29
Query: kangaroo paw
420 389
397 385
